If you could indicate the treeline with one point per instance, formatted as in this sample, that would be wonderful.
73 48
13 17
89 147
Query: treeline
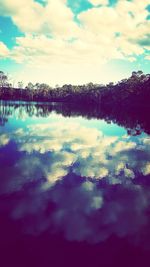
132 91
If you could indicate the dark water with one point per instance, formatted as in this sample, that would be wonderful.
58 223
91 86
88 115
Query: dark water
73 191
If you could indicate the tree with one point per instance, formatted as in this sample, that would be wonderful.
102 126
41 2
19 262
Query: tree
137 74
30 86
20 85
3 79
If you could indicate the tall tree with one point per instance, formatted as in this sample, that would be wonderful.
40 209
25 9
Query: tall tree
3 79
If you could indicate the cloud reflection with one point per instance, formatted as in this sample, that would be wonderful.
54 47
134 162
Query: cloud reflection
86 211
4 140
89 179
86 152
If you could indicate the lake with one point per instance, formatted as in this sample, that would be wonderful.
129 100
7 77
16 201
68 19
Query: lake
74 187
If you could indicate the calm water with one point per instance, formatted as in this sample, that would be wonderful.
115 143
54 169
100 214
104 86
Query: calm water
73 191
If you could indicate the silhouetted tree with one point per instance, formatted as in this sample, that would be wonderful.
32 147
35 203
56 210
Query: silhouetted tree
3 79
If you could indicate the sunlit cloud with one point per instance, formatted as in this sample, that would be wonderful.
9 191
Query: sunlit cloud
56 39
4 51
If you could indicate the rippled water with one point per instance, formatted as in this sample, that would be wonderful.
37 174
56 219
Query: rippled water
73 191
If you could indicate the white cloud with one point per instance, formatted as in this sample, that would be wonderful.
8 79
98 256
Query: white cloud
31 17
4 51
27 15
59 19
56 42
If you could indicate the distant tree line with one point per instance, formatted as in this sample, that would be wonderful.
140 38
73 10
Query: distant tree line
132 91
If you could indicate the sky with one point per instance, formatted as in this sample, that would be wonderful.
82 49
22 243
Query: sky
74 41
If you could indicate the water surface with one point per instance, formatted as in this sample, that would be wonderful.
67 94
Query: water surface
73 190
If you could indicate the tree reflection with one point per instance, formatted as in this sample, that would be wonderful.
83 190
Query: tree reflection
135 120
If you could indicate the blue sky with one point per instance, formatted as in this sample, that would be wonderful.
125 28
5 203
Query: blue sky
80 41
